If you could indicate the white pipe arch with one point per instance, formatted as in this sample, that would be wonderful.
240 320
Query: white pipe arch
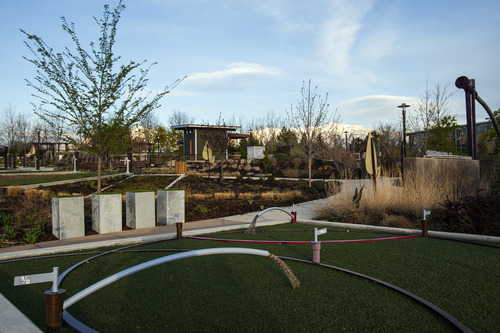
155 262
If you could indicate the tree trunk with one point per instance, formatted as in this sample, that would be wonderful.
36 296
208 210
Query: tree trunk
99 173
310 169
221 171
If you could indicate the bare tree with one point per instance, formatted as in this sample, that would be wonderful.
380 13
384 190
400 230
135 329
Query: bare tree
24 133
307 116
8 125
267 128
432 107
148 126
179 118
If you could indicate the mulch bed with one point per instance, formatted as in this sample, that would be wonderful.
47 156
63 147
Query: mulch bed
196 208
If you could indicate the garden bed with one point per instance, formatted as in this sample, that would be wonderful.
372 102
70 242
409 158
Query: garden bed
206 198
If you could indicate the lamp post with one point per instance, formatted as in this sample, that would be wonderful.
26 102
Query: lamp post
38 150
403 143
345 132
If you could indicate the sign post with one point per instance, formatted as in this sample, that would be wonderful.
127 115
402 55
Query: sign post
178 223
425 223
54 298
316 246
294 214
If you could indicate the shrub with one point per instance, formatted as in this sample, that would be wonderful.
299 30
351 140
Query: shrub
473 214
10 232
36 206
270 180
291 173
6 219
201 209
33 234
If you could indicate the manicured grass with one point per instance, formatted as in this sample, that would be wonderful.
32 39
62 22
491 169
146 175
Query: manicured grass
19 180
245 293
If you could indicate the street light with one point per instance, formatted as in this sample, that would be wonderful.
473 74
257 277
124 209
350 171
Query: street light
403 144
37 162
345 132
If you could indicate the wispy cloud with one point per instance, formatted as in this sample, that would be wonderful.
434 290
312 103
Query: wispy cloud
282 12
352 41
236 76
374 108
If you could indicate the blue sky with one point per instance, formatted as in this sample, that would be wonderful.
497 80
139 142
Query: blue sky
249 58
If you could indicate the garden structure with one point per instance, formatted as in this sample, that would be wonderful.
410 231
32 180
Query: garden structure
195 138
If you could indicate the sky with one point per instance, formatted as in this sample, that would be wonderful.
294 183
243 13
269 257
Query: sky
246 59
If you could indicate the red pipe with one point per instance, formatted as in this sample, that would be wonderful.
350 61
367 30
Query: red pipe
299 242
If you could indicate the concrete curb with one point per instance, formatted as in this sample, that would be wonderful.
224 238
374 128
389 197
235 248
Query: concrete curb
436 234
14 321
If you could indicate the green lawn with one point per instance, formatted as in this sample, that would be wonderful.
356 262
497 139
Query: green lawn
246 293
13 179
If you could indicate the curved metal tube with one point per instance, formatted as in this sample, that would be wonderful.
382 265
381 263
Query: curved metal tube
426 303
274 208
148 264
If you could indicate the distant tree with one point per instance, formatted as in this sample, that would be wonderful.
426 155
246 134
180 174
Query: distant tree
179 118
432 107
24 131
389 143
248 142
94 92
8 126
441 135
267 128
491 135
307 116
288 138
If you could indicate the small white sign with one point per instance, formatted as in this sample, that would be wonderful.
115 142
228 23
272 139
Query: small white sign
176 216
38 278
318 233
322 231
426 213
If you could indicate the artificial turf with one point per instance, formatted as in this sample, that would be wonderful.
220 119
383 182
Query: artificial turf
246 293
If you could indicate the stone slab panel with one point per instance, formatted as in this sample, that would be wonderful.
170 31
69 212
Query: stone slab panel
140 209
106 212
170 201
68 217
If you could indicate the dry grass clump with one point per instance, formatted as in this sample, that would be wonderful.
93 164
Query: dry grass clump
224 195
388 205
36 207
269 195
247 195
198 196
289 195
14 191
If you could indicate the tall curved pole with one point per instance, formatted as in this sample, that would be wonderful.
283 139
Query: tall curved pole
492 116
463 82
